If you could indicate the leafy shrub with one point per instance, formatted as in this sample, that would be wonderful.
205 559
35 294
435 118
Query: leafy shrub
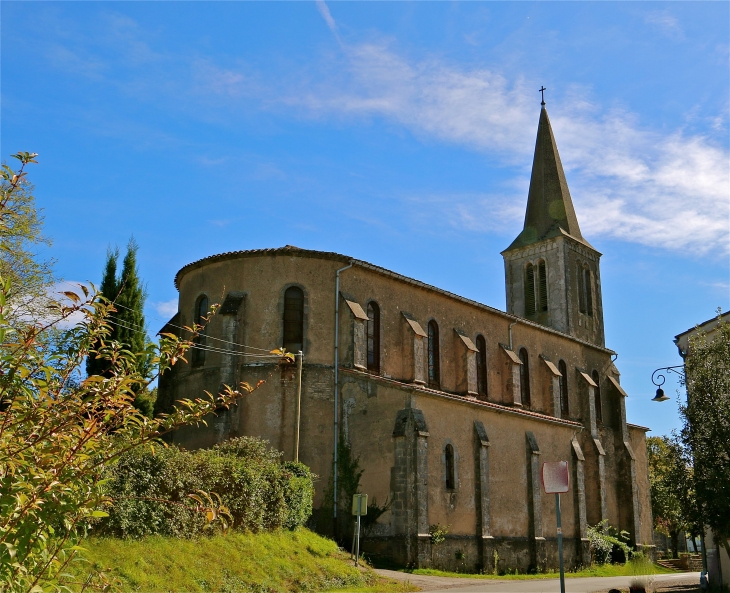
150 489
438 533
606 543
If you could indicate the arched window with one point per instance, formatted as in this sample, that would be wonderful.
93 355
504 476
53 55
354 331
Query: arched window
373 331
588 291
562 367
542 277
201 312
482 366
293 319
530 307
434 370
525 377
449 462
597 391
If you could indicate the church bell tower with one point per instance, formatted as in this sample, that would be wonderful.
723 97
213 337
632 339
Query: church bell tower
552 273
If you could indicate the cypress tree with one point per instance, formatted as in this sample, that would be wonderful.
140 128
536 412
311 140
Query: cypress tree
109 289
128 322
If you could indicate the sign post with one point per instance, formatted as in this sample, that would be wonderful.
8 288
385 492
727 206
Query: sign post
556 480
359 508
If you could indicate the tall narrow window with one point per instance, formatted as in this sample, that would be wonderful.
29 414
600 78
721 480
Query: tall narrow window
581 290
434 370
588 290
542 276
482 366
373 329
530 290
293 319
599 410
562 367
201 312
449 462
525 377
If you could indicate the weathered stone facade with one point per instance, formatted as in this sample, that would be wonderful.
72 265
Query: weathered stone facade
448 434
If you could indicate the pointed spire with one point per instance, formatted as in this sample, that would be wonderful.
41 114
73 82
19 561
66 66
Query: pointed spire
550 211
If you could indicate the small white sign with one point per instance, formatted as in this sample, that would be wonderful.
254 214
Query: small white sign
555 477
359 504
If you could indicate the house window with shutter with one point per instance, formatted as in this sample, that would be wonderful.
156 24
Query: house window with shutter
373 336
434 370
449 463
563 368
525 377
482 366
530 304
293 319
597 392
542 282
199 343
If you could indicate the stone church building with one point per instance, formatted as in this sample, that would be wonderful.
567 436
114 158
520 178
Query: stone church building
451 406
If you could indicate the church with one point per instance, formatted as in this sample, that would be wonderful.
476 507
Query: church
449 406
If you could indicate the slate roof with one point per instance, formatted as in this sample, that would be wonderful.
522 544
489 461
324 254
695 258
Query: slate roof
550 211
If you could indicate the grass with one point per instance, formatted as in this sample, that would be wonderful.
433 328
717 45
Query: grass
269 562
606 570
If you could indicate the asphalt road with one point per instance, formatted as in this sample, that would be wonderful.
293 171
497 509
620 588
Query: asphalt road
583 585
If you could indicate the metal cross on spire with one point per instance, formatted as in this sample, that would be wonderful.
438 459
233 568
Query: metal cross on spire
542 92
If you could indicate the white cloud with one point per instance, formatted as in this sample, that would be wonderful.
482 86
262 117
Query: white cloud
666 23
327 16
165 309
667 190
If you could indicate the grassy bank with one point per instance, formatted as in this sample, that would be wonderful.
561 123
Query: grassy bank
606 570
279 561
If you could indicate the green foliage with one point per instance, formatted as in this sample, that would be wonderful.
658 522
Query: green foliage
279 561
438 533
671 490
604 539
127 317
150 490
348 484
21 228
706 431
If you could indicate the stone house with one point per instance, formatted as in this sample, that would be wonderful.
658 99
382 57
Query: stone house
451 406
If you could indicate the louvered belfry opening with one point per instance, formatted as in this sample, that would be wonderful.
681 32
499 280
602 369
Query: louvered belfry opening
588 291
373 336
434 371
542 277
293 319
482 366
562 367
525 377
530 308
201 312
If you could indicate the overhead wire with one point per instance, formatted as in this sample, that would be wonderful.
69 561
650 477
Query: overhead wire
141 330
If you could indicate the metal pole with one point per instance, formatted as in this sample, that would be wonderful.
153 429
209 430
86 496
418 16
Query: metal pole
357 545
337 394
560 543
299 404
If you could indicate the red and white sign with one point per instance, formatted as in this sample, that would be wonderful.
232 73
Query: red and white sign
555 477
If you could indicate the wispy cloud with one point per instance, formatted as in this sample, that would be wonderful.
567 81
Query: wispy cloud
327 16
667 190
666 23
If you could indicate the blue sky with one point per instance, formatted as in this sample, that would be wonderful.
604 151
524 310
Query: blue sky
398 133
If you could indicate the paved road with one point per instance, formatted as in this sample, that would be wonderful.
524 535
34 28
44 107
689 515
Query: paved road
583 585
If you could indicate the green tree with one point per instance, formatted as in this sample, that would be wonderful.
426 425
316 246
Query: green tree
666 482
706 431
21 233
127 318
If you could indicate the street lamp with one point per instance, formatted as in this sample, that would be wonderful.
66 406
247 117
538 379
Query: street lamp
659 379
